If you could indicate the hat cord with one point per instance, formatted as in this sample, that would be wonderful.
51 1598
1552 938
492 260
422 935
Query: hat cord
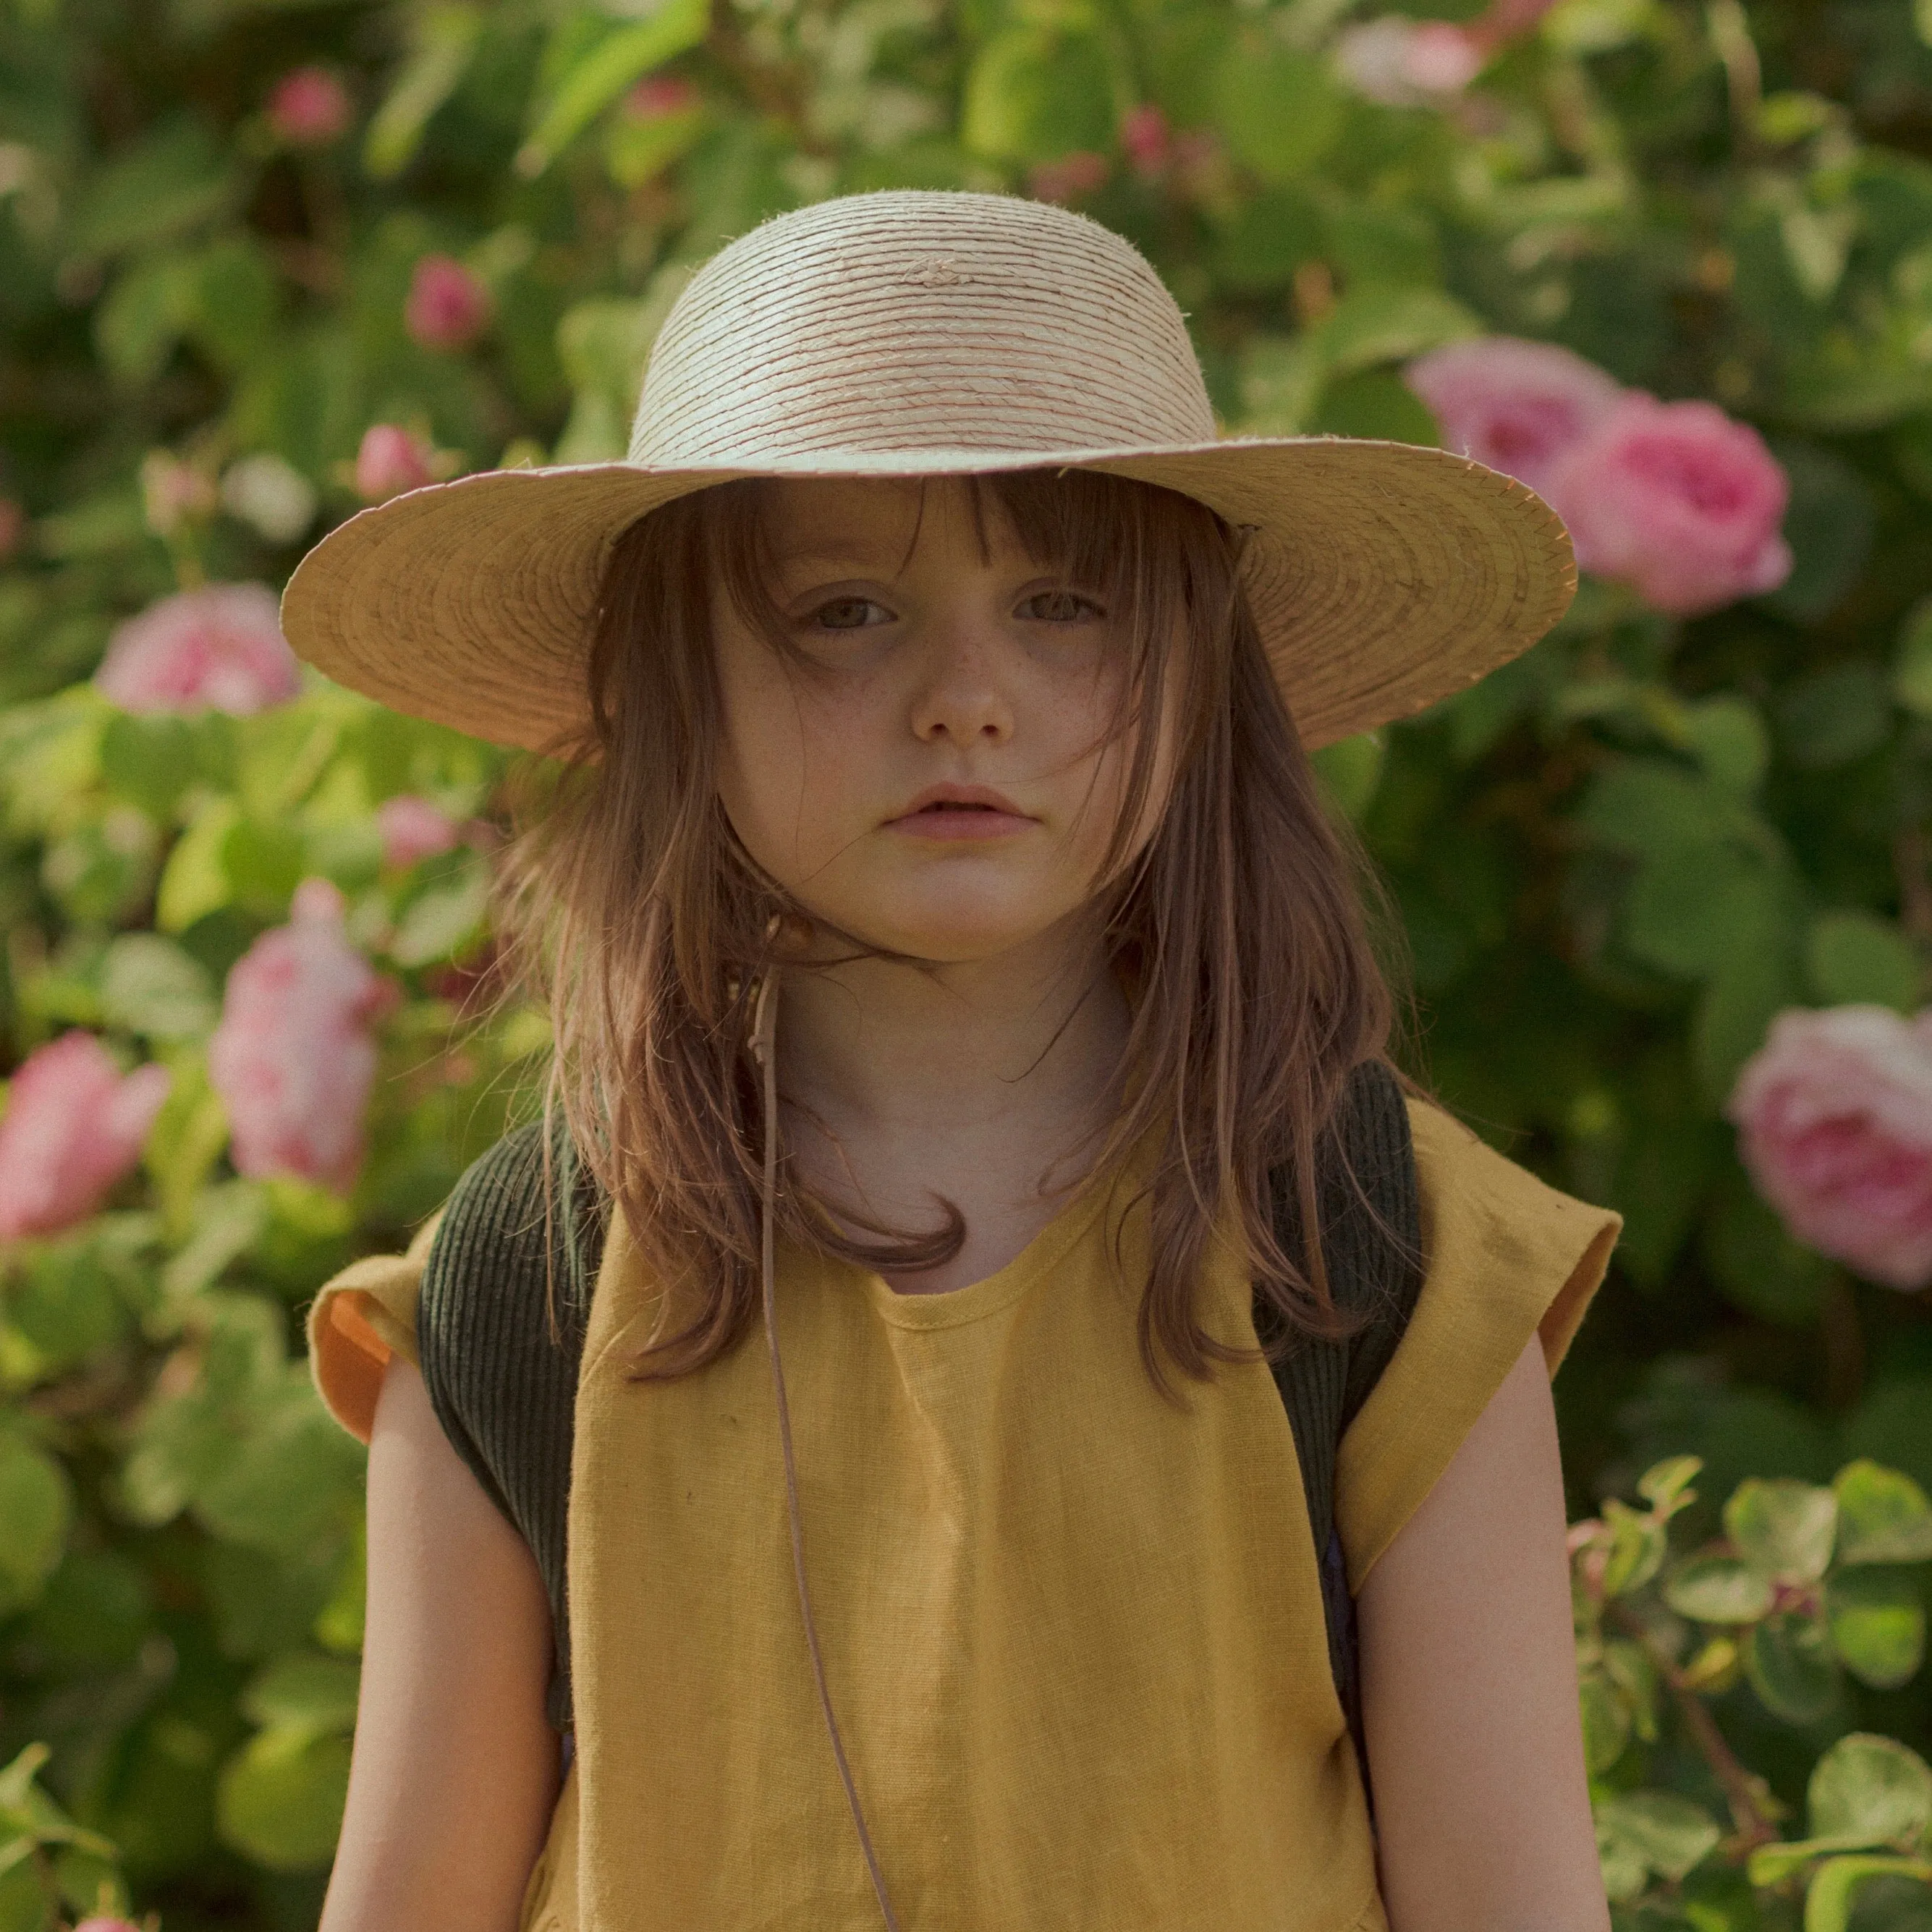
764 1035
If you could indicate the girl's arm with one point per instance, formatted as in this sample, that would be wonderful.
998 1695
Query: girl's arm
455 1770
1469 1690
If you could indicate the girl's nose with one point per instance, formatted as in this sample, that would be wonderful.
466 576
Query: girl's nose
962 698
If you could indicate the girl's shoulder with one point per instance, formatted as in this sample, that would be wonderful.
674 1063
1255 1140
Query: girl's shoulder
479 1266
1506 1258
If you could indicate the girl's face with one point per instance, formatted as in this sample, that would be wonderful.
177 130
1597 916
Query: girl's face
941 774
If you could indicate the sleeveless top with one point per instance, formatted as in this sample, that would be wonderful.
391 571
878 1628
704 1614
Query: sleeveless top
1073 1631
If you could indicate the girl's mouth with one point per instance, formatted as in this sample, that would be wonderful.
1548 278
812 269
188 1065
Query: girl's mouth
961 812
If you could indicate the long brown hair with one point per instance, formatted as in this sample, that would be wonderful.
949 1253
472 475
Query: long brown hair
631 906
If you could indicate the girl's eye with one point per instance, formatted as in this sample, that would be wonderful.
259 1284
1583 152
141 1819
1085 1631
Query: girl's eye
848 614
1060 606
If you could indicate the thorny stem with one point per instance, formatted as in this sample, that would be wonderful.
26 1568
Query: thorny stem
1742 1791
1844 1343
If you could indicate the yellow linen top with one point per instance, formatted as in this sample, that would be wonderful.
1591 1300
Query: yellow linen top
1073 1633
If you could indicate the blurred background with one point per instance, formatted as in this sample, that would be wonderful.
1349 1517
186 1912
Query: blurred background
1669 261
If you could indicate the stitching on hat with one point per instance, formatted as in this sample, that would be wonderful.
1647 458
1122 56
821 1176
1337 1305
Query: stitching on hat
934 272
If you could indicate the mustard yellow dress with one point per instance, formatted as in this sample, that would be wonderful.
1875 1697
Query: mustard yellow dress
1073 1633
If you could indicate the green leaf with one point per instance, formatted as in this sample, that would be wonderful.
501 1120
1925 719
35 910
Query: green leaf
1351 769
1877 1620
1607 1722
195 880
1669 1834
604 70
1693 912
1835 1885
1667 1484
36 1505
1791 1665
1783 1527
1748 990
1884 1517
1376 403
1856 958
443 920
1728 735
150 986
148 760
1835 716
636 151
302 1691
1911 663
1278 109
1828 524
279 1798
1637 1549
1869 1790
176 176
444 39
1374 325
1719 1590
1035 93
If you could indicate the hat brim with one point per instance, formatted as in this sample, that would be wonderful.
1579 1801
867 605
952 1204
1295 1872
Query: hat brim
1383 576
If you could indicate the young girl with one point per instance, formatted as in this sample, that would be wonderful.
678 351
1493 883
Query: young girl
961 998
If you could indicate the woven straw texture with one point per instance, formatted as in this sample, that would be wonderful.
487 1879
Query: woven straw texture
923 333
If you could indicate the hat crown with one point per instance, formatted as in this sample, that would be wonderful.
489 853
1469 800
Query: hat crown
920 321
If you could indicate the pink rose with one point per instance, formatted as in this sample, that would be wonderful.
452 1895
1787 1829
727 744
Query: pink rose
1403 63
310 108
1144 139
1678 500
219 648
447 307
391 460
413 828
1515 406
173 493
100 1924
292 1058
73 1125
1072 177
1833 1114
659 95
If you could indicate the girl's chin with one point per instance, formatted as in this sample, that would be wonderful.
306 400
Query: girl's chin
947 937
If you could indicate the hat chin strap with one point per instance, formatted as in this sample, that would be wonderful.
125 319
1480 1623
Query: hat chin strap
764 1036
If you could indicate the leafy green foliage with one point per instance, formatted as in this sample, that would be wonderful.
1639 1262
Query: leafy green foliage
1612 861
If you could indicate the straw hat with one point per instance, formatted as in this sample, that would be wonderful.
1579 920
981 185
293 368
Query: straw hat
917 333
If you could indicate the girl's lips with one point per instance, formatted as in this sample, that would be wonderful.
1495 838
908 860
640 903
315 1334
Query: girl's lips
946 821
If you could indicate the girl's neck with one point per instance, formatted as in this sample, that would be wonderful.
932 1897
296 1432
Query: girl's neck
977 1082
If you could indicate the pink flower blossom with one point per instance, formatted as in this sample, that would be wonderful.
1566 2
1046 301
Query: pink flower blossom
310 108
73 1125
659 95
100 1924
391 460
1072 177
173 493
1145 140
1678 499
447 307
220 648
1834 1120
413 828
1404 63
1517 406
292 1058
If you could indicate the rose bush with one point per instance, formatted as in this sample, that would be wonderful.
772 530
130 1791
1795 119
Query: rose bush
1834 1120
1666 261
